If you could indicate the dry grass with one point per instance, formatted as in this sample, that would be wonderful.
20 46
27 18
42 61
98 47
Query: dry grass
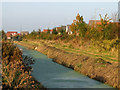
15 72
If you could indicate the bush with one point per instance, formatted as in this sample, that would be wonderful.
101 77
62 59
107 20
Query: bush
15 72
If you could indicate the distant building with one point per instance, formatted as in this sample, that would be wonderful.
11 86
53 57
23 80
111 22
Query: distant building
46 30
19 34
51 31
63 27
117 23
11 34
8 35
24 33
94 22
98 22
58 28
68 30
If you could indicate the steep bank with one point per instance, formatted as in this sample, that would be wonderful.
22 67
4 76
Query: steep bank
94 68
16 69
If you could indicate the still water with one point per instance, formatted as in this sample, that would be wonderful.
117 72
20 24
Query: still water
53 75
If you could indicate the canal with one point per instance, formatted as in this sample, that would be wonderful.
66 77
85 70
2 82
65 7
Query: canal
53 75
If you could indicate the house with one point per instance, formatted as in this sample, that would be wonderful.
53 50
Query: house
117 23
68 30
98 22
12 33
94 22
51 31
58 28
8 35
46 30
63 27
24 33
19 34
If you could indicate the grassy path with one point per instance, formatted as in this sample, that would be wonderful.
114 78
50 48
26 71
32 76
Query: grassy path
88 53
106 57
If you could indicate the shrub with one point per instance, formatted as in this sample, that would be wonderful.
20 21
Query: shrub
15 72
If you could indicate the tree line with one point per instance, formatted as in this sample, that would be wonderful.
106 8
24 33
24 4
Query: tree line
106 30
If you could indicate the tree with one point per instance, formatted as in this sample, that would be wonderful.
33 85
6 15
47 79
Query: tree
3 35
54 31
39 31
61 30
73 27
109 30
79 18
104 21
79 26
33 32
48 31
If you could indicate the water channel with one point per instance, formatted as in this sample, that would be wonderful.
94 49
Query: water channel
53 75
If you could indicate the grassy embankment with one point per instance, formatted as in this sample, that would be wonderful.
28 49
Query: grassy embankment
88 50
16 72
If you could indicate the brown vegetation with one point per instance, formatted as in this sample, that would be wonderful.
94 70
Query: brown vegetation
15 72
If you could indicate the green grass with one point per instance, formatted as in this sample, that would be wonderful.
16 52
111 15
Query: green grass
105 57
90 52
102 66
80 65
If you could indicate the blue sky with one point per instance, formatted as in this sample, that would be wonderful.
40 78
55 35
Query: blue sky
33 15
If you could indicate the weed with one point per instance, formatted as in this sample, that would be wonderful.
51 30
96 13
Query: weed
80 65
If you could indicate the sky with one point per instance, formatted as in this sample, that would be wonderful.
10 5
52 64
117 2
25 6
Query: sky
26 16
59 0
